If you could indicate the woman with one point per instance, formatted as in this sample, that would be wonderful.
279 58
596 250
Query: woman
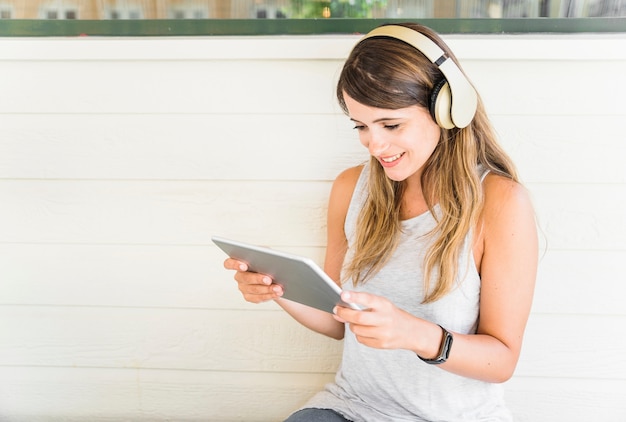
435 237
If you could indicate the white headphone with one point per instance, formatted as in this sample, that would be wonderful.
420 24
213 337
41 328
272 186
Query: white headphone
453 101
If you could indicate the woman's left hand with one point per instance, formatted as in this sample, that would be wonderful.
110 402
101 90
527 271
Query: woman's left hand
382 325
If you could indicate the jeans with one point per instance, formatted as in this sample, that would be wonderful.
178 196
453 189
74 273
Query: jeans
316 415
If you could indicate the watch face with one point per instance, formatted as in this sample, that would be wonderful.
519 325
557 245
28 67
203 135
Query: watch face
444 349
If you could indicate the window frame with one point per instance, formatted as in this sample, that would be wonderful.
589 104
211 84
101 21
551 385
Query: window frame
226 27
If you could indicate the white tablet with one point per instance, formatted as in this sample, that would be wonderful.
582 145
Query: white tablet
302 279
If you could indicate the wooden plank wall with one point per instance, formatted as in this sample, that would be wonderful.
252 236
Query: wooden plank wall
119 158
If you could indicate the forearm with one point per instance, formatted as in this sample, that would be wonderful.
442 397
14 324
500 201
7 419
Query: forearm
481 357
314 319
476 356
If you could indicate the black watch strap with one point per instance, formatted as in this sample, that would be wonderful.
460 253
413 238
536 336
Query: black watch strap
444 349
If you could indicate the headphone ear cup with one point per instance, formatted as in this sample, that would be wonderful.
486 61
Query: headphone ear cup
441 104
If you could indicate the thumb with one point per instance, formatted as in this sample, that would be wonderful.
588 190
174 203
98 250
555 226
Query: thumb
365 300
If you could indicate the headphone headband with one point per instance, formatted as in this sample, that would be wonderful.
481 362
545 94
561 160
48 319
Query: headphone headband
464 98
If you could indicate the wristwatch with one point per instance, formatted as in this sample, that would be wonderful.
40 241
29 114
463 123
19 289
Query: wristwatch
444 349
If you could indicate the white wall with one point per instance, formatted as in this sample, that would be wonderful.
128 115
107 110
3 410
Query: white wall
119 158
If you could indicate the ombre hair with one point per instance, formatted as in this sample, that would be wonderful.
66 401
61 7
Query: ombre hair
387 73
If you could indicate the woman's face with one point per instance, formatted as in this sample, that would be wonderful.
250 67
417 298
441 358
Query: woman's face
402 140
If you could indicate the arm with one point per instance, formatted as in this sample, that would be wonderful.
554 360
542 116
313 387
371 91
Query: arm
506 252
258 288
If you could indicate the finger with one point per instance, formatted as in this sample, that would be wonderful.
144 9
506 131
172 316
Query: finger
352 316
259 293
234 264
252 278
261 289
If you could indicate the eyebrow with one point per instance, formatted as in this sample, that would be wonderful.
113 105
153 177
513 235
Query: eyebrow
382 119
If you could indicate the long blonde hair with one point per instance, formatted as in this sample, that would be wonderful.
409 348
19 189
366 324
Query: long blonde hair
387 73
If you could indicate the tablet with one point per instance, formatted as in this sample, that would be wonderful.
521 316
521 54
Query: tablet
303 281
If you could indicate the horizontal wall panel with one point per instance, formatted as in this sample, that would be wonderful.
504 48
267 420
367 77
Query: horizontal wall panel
564 149
307 86
531 47
581 217
569 356
548 149
79 394
258 341
178 146
169 87
569 399
566 278
261 341
193 277
105 395
123 275
552 88
270 213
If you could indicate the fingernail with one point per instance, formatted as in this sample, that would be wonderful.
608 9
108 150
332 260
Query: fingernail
267 280
242 267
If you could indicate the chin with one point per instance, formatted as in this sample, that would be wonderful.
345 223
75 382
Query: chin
395 176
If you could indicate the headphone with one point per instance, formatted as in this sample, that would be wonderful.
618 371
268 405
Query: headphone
453 100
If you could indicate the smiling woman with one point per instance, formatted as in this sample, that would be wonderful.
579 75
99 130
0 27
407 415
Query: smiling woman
120 156
434 237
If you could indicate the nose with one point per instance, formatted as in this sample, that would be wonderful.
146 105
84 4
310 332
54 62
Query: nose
377 145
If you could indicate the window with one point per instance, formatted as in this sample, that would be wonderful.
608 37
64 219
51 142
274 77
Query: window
54 9
6 11
251 17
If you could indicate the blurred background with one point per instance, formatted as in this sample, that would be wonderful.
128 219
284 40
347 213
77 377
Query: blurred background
300 9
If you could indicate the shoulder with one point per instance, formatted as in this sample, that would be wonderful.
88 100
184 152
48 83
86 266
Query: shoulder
502 197
342 190
344 185
508 216
348 178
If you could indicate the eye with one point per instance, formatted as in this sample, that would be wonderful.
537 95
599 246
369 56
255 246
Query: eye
392 127
359 127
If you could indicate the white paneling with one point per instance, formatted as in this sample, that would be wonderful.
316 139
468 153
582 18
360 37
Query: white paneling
178 146
78 394
548 149
565 149
193 277
507 88
193 339
566 399
550 88
570 356
289 213
153 276
579 216
169 87
121 157
583 281
262 341
502 47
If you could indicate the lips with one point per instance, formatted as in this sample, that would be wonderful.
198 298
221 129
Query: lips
389 160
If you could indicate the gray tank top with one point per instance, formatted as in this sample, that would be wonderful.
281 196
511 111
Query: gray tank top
375 385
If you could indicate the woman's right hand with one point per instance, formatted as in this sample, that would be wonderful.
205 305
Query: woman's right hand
255 287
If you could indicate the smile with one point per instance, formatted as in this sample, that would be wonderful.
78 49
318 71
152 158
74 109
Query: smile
392 158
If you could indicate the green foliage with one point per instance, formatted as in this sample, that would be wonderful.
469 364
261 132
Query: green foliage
312 9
